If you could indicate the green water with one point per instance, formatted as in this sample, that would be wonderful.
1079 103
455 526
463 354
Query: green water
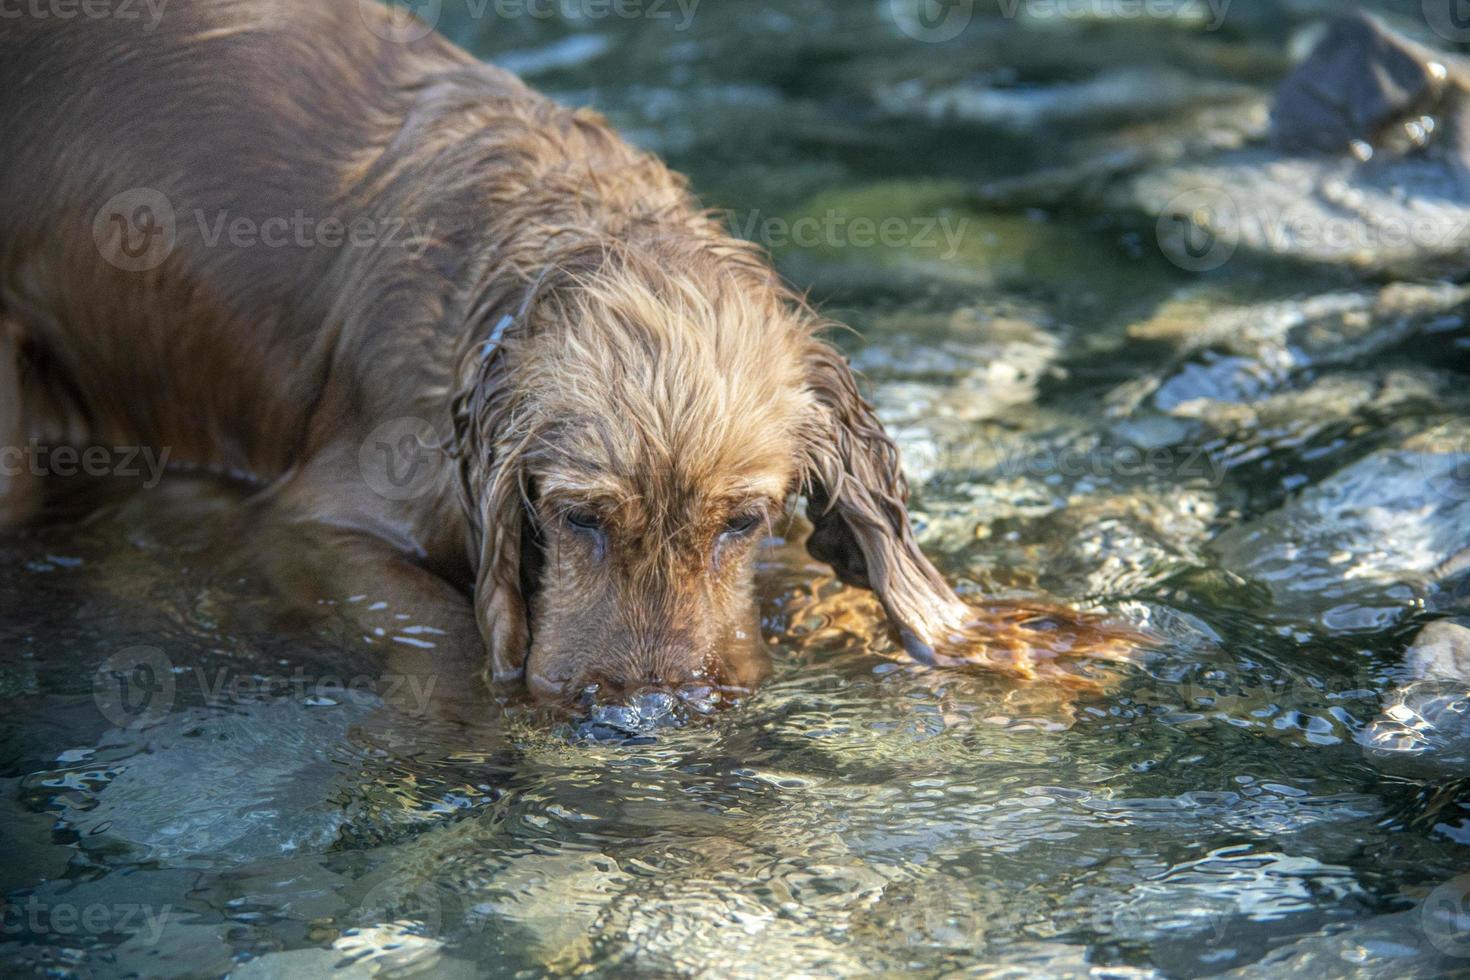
1261 464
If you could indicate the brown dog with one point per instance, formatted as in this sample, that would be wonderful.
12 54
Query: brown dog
257 232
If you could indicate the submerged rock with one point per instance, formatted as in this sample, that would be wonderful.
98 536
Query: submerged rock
1426 721
976 365
385 952
1363 548
1100 161
1441 652
256 783
1426 941
1323 330
1280 377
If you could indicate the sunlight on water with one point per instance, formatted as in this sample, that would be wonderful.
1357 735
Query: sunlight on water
1241 498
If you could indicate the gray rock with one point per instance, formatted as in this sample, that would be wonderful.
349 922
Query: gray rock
1441 651
1358 79
1403 217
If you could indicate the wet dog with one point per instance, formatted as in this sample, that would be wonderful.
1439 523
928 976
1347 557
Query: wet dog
473 333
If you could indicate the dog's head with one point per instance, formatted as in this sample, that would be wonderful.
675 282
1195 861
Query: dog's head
627 434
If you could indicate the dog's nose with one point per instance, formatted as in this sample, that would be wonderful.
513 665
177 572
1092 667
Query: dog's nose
609 687
723 674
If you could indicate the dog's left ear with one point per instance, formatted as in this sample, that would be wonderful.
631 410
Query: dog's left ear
493 485
856 495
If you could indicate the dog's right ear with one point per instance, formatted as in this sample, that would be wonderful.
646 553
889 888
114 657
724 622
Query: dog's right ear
494 491
856 495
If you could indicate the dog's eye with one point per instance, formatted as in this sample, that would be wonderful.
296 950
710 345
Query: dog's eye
742 524
584 520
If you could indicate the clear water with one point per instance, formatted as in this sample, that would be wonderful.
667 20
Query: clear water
1262 465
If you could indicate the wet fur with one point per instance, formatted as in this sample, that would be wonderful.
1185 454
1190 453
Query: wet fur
576 327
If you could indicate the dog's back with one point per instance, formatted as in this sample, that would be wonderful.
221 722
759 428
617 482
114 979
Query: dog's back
176 204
